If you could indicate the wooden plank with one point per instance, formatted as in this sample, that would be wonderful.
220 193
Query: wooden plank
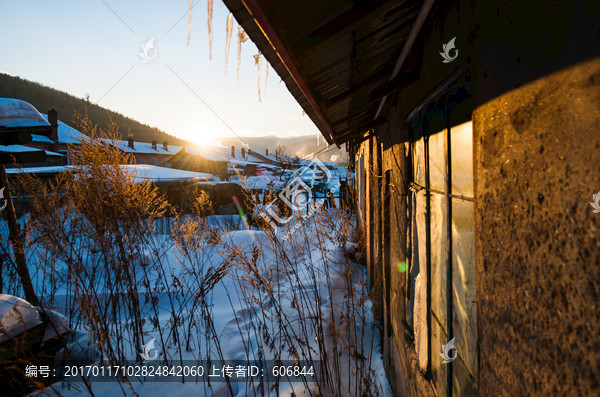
324 36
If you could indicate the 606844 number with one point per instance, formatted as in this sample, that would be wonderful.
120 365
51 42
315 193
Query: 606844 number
293 370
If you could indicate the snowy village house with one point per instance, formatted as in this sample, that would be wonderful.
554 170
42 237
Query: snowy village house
218 161
150 153
61 140
21 124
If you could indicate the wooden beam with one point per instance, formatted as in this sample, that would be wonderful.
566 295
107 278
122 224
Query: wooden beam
425 8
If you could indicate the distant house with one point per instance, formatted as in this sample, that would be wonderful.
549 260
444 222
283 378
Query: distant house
147 153
199 159
266 158
242 160
281 160
60 139
219 161
19 123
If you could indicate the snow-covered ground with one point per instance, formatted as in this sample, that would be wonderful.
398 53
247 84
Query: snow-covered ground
301 298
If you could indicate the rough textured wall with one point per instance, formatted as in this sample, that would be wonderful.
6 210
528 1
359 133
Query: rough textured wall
537 164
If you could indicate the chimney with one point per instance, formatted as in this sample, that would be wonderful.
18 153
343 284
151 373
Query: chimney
244 152
130 142
53 120
233 151
154 145
267 152
166 146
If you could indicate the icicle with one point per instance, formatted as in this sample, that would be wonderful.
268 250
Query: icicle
242 37
229 28
210 4
189 23
257 61
239 53
266 77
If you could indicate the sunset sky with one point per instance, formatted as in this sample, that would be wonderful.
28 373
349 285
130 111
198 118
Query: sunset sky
93 47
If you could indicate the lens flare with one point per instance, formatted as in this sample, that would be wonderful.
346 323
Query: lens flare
402 267
240 211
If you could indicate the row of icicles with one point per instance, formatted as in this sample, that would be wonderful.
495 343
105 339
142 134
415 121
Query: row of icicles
242 37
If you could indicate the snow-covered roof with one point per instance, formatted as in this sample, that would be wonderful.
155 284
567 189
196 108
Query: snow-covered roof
51 153
18 149
271 156
41 170
143 147
40 138
17 113
205 152
69 135
162 174
269 166
25 149
248 158
217 153
140 171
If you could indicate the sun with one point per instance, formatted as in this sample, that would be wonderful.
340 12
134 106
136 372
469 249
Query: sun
203 140
202 135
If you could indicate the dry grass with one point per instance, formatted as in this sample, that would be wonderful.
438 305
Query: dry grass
94 236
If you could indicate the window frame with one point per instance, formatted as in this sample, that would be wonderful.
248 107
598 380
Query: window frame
453 105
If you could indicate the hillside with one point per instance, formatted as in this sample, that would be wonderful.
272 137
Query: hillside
45 98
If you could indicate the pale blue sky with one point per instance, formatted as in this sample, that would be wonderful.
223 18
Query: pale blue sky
83 47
